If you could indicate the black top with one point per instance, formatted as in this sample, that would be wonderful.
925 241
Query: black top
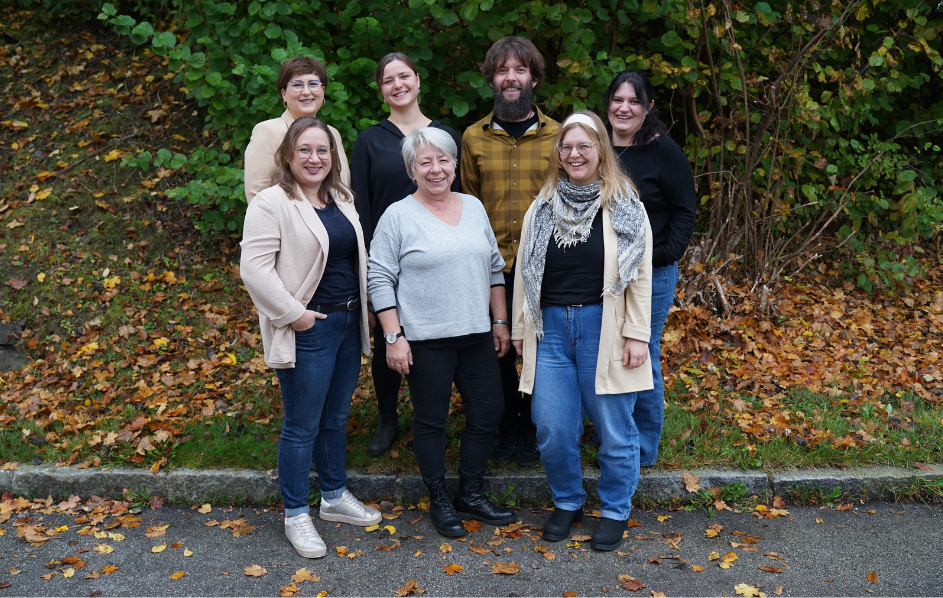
339 281
664 179
517 129
378 173
574 276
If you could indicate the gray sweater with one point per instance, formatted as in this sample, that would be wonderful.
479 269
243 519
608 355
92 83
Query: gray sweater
438 277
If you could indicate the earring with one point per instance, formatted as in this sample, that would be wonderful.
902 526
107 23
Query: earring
285 104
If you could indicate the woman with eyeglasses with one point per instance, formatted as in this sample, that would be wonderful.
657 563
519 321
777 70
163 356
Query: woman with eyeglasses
305 266
380 179
665 182
301 81
582 294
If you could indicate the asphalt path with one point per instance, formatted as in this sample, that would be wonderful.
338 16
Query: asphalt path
819 551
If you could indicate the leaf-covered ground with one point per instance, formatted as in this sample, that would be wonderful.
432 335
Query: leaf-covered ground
146 349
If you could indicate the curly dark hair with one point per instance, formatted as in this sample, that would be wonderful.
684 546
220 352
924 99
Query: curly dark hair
520 47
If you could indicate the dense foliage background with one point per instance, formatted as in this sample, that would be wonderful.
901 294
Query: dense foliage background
809 125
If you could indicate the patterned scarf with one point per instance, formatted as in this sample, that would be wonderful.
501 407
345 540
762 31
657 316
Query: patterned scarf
568 214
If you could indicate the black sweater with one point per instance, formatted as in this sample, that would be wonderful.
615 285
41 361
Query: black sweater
665 181
378 173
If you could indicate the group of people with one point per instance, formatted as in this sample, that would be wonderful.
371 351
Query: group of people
555 242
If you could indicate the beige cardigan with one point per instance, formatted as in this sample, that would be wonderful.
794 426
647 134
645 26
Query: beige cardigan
284 251
628 316
260 153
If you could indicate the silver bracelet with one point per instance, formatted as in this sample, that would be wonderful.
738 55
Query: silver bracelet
493 322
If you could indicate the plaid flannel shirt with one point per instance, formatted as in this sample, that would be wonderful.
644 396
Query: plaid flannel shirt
506 175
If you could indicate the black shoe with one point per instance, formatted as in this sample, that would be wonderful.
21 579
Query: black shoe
504 448
442 511
383 438
558 526
527 453
608 536
471 503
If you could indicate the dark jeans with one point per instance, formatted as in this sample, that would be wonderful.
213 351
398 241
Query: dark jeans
517 418
386 381
472 363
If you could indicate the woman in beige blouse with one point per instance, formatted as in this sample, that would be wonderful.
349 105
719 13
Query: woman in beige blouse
301 81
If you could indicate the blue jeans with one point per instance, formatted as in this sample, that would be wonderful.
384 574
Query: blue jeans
316 398
564 389
650 404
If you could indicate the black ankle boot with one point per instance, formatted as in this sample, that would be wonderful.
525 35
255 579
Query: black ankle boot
558 526
383 438
608 536
442 511
471 503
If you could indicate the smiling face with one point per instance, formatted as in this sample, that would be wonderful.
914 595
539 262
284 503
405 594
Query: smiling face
311 159
582 170
513 87
433 171
400 85
306 101
626 114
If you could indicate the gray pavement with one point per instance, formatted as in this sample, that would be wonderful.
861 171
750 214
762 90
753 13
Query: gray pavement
819 551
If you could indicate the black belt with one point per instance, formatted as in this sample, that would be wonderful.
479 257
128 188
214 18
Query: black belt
329 308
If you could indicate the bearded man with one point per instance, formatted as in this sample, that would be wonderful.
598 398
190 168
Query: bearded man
504 161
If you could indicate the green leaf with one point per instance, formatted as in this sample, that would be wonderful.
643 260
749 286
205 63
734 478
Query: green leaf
671 39
906 175
876 60
469 10
273 31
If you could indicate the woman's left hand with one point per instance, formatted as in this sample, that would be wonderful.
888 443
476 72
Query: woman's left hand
502 338
634 354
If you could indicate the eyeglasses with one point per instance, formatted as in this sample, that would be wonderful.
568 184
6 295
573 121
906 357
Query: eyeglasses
305 152
298 86
583 149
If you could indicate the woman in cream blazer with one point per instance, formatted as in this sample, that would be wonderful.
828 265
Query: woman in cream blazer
301 82
305 266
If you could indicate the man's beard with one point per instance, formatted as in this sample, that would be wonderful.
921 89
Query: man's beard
517 110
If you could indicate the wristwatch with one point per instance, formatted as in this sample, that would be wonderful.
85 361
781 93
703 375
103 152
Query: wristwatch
391 337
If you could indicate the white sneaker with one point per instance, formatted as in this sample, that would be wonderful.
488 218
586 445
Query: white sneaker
350 510
303 537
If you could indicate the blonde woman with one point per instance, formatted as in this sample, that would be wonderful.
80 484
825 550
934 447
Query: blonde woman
581 320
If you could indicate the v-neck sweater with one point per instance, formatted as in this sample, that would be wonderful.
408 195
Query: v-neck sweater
437 276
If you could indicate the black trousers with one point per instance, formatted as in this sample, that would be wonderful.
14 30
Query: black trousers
386 381
472 363
516 419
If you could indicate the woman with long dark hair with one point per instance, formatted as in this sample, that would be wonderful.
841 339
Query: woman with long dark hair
662 174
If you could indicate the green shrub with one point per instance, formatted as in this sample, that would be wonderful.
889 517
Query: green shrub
805 127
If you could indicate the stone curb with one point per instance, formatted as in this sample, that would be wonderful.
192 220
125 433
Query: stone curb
223 485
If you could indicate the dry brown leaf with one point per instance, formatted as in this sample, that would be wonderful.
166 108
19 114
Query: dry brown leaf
511 568
453 569
690 482
255 571
289 590
302 575
341 551
409 588
769 569
873 577
178 575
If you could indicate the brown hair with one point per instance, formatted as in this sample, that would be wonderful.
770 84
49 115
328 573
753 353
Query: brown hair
381 66
301 65
612 180
332 186
520 47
